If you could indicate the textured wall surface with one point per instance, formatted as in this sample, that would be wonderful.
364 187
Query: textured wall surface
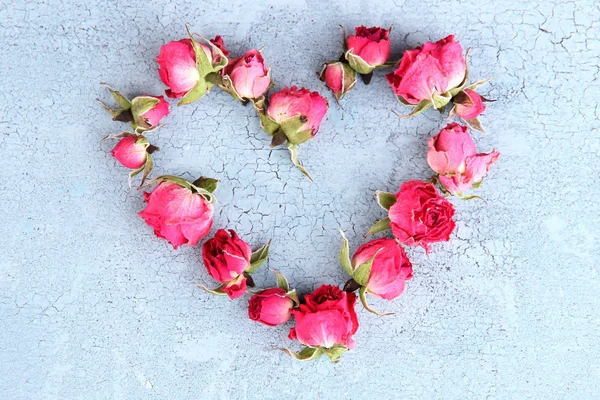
93 306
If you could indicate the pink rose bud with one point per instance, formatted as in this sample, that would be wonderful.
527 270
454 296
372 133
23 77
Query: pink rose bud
178 212
390 268
468 104
131 151
248 76
298 112
429 73
420 215
270 307
227 257
148 111
453 156
177 64
327 318
338 77
369 48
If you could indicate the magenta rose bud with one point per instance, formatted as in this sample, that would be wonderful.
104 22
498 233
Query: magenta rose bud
154 114
468 104
327 318
248 76
390 268
177 213
297 112
429 72
270 307
453 156
131 151
227 257
368 48
338 77
420 215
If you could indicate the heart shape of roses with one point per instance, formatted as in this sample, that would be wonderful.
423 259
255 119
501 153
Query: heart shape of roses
419 214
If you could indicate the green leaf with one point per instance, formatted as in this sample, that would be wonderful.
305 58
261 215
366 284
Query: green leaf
418 109
363 300
358 64
216 291
208 184
335 352
259 257
282 281
345 255
385 199
196 93
119 98
306 354
440 101
294 157
379 226
362 272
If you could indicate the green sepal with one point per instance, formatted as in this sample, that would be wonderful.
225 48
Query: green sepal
379 226
294 296
475 85
119 98
385 199
345 255
362 272
439 101
258 257
282 282
335 352
278 138
186 184
195 94
477 185
306 354
294 157
208 184
418 109
462 196
475 124
216 291
358 64
292 127
363 300
266 122
139 106
114 113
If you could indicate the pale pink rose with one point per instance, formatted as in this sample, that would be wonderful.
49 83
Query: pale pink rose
291 102
249 75
468 104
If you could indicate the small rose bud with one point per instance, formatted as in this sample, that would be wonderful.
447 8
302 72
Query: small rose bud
453 156
338 77
429 71
468 104
270 307
177 213
248 76
368 48
420 215
390 268
227 257
131 151
327 318
148 111
298 113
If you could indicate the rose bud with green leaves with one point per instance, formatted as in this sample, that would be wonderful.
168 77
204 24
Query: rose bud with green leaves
430 75
133 151
379 267
247 78
179 211
190 68
417 215
273 306
453 156
468 105
143 112
338 77
325 324
293 116
368 48
230 261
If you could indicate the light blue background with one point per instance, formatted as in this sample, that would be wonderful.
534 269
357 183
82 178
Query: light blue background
93 306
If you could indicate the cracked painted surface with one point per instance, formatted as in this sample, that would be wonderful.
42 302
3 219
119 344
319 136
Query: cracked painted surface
92 305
